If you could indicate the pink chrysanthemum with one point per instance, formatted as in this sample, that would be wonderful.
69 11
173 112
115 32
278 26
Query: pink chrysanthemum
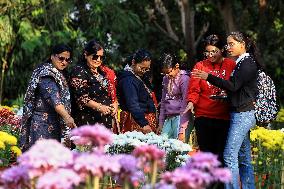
97 165
97 135
203 160
59 179
222 175
45 155
150 152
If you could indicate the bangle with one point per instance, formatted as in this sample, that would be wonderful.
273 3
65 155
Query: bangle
99 108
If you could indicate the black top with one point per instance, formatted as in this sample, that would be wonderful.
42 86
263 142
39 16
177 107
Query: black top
242 86
134 97
86 86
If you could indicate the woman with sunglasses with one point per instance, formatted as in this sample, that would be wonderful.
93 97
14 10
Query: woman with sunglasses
212 118
172 121
242 91
135 97
93 89
47 105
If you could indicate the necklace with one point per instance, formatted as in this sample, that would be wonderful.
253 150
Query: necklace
128 68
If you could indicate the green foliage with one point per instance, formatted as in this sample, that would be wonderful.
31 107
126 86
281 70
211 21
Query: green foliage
29 28
280 116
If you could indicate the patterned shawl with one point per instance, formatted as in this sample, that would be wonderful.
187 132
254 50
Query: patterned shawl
44 69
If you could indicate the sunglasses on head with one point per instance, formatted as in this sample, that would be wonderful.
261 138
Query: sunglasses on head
62 59
96 57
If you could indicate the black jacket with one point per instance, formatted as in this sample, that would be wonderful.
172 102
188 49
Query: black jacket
134 98
242 86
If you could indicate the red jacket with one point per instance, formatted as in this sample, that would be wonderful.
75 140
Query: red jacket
200 90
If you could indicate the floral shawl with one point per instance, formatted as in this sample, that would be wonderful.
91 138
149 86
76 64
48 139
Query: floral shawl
44 69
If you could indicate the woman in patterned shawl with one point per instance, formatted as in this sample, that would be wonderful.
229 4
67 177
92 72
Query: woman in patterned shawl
92 87
47 105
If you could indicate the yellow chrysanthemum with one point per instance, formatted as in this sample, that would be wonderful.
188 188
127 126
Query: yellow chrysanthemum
255 149
6 107
269 139
16 150
2 145
8 139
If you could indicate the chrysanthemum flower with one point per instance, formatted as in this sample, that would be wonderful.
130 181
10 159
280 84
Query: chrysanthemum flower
45 155
97 135
59 179
16 150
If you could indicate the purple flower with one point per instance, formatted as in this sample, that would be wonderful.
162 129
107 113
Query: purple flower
128 163
45 155
222 174
15 177
97 165
136 178
129 171
58 179
97 135
159 186
184 178
203 160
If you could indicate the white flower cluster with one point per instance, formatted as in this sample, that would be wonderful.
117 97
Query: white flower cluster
135 138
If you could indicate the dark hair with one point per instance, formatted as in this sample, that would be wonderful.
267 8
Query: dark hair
92 47
141 55
216 41
250 46
168 60
60 48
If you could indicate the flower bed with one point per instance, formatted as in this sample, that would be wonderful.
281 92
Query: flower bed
9 132
268 157
50 165
176 150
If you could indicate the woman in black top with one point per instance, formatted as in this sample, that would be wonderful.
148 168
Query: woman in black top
242 90
92 87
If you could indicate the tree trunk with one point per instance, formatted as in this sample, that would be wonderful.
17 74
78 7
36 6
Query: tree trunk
187 22
226 11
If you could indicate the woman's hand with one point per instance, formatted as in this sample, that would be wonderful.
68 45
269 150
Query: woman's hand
69 121
146 129
189 107
115 108
199 74
105 110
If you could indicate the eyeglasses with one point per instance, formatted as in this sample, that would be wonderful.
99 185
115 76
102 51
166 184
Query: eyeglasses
96 57
230 45
62 59
210 53
143 69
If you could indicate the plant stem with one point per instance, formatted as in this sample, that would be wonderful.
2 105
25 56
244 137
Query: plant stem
96 182
154 173
33 184
126 184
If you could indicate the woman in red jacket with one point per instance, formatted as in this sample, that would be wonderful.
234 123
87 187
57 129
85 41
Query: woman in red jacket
212 119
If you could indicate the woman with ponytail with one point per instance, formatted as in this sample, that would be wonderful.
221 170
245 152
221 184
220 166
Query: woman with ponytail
93 89
242 91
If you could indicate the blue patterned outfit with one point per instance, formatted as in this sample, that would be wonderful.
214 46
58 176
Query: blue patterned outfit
47 88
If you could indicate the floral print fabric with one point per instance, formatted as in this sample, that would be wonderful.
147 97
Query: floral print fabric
47 88
86 86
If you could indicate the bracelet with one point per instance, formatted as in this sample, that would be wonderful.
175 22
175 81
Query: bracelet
99 108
